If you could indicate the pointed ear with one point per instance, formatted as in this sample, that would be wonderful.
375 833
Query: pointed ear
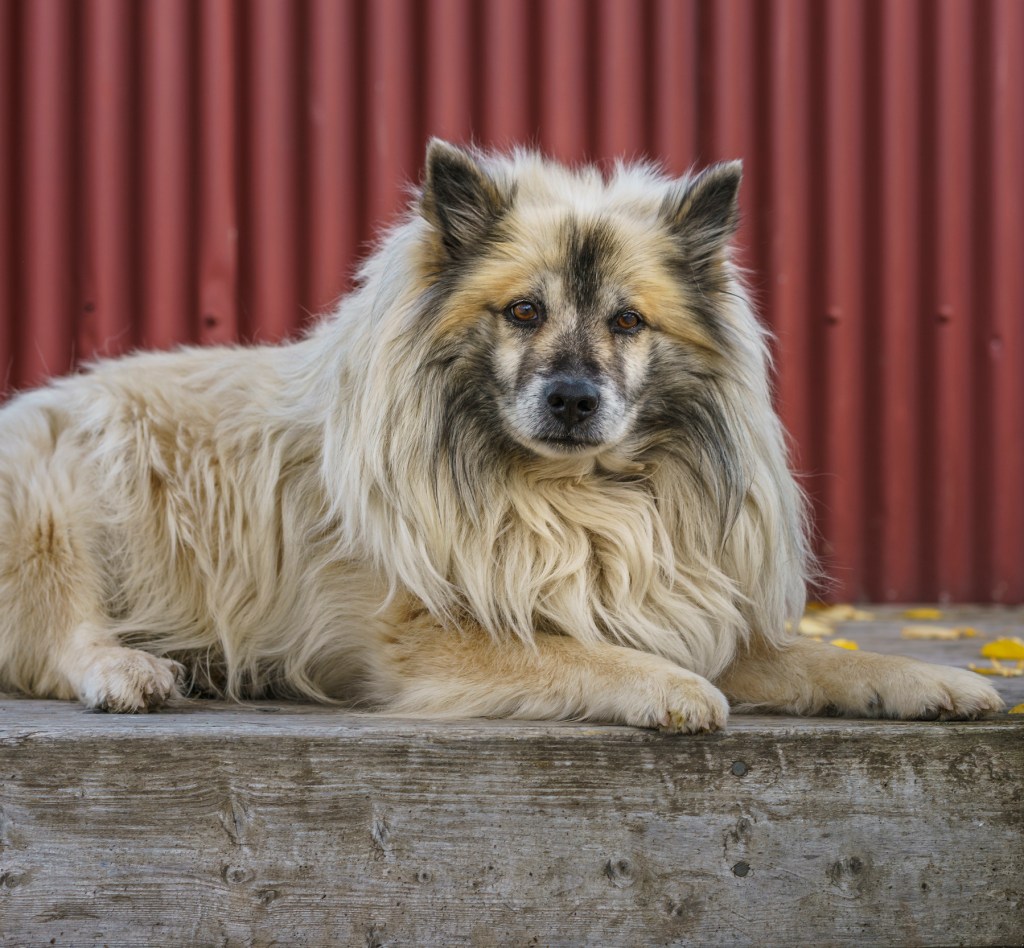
704 213
459 199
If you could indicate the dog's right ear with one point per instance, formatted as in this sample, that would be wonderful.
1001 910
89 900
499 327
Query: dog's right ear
459 199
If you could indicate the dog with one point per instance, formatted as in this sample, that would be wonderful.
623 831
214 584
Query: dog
528 468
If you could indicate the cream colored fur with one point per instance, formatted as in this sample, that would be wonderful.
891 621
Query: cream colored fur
278 521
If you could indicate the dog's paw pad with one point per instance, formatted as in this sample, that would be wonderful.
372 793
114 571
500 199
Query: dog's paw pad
128 681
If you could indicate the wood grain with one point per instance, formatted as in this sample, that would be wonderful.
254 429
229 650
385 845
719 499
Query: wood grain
279 824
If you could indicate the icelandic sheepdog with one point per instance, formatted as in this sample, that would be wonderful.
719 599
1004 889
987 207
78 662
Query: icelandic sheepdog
529 468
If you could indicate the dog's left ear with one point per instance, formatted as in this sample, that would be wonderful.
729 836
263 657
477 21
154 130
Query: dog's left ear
459 199
704 213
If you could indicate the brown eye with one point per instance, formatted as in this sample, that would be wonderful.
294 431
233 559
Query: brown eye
523 311
627 321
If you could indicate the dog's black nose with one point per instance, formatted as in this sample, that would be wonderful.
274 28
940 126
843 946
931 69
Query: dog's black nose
572 400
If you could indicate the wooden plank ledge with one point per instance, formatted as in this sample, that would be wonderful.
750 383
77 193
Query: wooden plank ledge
299 825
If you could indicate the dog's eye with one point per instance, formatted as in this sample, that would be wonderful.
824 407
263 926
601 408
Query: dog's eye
523 311
627 322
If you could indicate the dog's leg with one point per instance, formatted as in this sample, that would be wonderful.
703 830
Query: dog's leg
54 635
55 644
423 670
808 677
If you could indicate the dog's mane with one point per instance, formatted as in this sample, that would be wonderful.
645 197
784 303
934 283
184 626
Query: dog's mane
631 549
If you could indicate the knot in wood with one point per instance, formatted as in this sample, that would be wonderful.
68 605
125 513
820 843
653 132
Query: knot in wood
620 872
236 875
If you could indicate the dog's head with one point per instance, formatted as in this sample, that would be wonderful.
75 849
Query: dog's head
590 306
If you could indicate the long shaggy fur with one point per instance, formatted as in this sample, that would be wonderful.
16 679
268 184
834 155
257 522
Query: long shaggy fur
367 514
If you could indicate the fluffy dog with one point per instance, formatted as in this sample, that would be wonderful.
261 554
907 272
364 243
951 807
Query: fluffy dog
529 468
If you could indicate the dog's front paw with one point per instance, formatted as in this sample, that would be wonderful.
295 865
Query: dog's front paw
127 681
913 690
923 691
683 703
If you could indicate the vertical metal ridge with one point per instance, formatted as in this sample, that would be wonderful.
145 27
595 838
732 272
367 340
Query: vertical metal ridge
814 469
449 97
786 302
217 205
1003 342
926 421
759 168
332 182
564 118
873 67
8 308
270 136
43 136
842 316
729 86
893 408
105 293
985 320
727 130
302 41
673 46
392 157
950 311
167 309
621 121
510 74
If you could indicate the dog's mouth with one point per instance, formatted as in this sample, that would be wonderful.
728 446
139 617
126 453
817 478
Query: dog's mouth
565 444
569 442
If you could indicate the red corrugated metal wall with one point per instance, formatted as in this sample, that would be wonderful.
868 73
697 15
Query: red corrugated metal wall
180 170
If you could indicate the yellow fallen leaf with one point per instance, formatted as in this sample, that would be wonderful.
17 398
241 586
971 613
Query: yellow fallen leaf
845 643
942 632
1007 648
1003 671
842 612
811 626
1017 710
923 613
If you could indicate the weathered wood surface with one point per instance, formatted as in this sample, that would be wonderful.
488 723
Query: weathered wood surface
298 825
